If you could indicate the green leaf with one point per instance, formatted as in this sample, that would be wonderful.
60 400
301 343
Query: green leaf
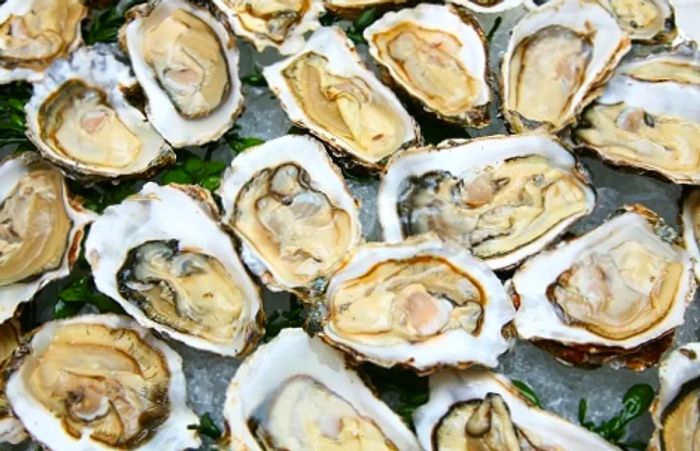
255 78
63 309
211 182
214 168
328 19
403 390
582 411
193 165
636 401
365 19
496 25
177 175
77 291
282 319
105 304
207 427
105 26
240 143
527 392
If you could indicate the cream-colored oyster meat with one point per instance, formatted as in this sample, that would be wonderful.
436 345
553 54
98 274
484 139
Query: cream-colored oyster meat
690 221
11 429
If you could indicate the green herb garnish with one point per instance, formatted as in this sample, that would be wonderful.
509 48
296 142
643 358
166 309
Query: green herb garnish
193 170
105 25
402 390
494 28
527 392
358 26
13 126
282 319
207 427
255 78
239 143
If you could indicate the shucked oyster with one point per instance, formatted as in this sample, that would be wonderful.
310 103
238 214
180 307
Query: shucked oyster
100 382
649 116
690 219
327 89
503 198
11 430
289 205
163 257
480 410
562 52
40 229
34 33
437 54
273 23
615 293
421 303
676 410
187 63
307 400
351 8
79 118
488 6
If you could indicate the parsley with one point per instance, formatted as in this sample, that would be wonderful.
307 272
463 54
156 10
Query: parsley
239 143
206 427
13 98
100 196
282 319
255 78
191 169
496 25
402 390
527 392
364 20
105 25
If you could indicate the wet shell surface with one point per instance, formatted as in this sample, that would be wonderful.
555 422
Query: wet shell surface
488 6
690 221
181 278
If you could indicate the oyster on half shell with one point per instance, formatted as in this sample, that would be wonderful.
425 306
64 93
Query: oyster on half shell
179 277
488 6
327 89
615 294
437 54
563 51
11 429
290 207
690 222
352 8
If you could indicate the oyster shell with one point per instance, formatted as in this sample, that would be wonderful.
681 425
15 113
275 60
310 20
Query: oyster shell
690 221
79 118
421 303
290 207
437 54
311 401
488 6
273 23
187 64
614 294
562 51
477 409
687 18
100 382
352 8
181 278
11 430
34 33
40 232
648 117
502 198
327 89
675 410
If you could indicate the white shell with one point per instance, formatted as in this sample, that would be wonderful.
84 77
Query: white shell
178 130
675 369
501 6
324 176
449 388
293 353
157 213
466 159
687 16
453 348
690 238
98 67
44 427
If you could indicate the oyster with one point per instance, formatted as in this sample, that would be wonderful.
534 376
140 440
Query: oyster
480 410
100 382
181 278
79 118
687 18
690 220
503 198
273 23
289 205
310 401
11 430
352 8
488 6
34 33
421 304
614 294
437 54
648 116
676 411
41 228
327 89
187 63
562 51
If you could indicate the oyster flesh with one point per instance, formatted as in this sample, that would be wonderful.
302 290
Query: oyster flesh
327 89
488 6
502 198
100 382
186 61
353 8
649 116
79 118
437 54
563 52
290 207
422 304
308 401
11 430
614 294
181 278
690 221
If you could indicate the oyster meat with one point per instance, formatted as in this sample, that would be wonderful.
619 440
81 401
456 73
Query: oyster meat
11 430
502 198
34 33
488 6
649 116
421 304
480 410
100 382
79 118
690 221
614 294
181 278
327 89
352 8
562 51
187 64
273 23
310 401
290 207
437 54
